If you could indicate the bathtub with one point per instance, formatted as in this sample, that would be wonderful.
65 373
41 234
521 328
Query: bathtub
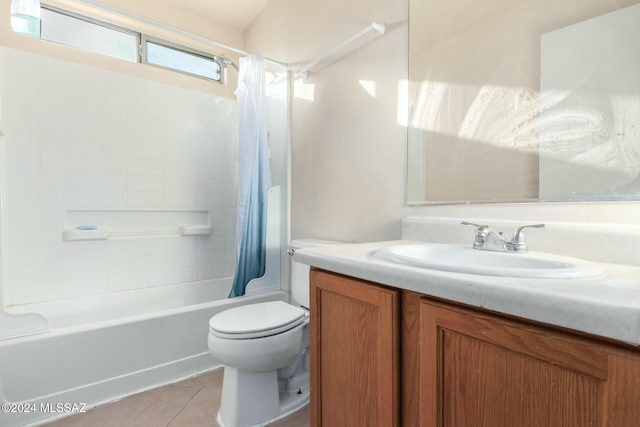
102 348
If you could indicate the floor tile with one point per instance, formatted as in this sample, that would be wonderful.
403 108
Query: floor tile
298 419
193 402
201 410
153 408
66 421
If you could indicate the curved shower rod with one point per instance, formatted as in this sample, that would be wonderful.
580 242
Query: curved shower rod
224 62
304 71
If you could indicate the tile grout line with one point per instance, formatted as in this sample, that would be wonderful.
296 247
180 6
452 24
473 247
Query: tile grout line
79 418
184 406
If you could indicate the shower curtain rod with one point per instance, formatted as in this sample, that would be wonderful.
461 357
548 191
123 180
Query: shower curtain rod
171 28
304 71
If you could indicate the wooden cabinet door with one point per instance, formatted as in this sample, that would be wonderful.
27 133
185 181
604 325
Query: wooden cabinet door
481 370
354 352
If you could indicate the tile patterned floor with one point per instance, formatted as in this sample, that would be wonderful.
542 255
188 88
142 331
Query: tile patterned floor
190 403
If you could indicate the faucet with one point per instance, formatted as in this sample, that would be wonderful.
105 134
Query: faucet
488 240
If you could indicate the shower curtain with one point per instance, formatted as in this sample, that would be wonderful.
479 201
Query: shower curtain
254 178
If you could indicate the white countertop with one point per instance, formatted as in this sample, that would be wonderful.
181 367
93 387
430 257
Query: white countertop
608 306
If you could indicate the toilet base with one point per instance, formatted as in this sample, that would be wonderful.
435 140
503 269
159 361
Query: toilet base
252 399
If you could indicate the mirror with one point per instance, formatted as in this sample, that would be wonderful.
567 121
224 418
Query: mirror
523 100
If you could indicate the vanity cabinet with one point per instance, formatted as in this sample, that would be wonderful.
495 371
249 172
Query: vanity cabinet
478 369
458 366
354 352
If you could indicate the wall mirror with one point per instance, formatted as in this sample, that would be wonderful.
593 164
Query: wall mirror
523 100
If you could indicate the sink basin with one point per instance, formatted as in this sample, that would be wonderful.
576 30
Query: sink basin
464 259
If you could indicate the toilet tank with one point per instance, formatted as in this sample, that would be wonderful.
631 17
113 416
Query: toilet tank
300 272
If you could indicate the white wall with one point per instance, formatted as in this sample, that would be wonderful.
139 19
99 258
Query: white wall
348 146
104 137
79 137
348 132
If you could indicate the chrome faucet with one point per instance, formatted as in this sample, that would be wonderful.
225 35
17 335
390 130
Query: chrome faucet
488 240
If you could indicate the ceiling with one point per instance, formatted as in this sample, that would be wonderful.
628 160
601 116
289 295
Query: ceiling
238 14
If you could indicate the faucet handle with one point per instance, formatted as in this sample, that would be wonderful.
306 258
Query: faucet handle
516 234
517 240
481 232
479 227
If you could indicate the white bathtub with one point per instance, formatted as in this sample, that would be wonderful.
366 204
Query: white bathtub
102 348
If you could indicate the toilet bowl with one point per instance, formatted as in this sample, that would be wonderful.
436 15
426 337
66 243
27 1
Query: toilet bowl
264 350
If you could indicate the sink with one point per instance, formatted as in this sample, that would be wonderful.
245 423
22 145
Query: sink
464 259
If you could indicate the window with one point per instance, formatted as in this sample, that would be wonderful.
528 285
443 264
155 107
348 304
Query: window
179 58
78 31
83 33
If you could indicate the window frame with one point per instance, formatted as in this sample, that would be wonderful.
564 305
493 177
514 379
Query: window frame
90 20
144 60
141 40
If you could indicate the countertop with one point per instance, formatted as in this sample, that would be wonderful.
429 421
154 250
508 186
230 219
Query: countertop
608 306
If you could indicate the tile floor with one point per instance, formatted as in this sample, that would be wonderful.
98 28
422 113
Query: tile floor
190 403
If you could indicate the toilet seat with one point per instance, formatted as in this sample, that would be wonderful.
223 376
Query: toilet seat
256 320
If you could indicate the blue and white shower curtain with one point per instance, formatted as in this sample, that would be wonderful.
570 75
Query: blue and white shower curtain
254 174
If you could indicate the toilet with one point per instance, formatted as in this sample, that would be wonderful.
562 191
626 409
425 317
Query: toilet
264 350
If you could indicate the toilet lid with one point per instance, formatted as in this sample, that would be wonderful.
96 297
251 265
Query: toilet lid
256 320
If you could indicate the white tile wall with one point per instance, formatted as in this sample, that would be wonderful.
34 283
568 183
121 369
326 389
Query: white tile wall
78 137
